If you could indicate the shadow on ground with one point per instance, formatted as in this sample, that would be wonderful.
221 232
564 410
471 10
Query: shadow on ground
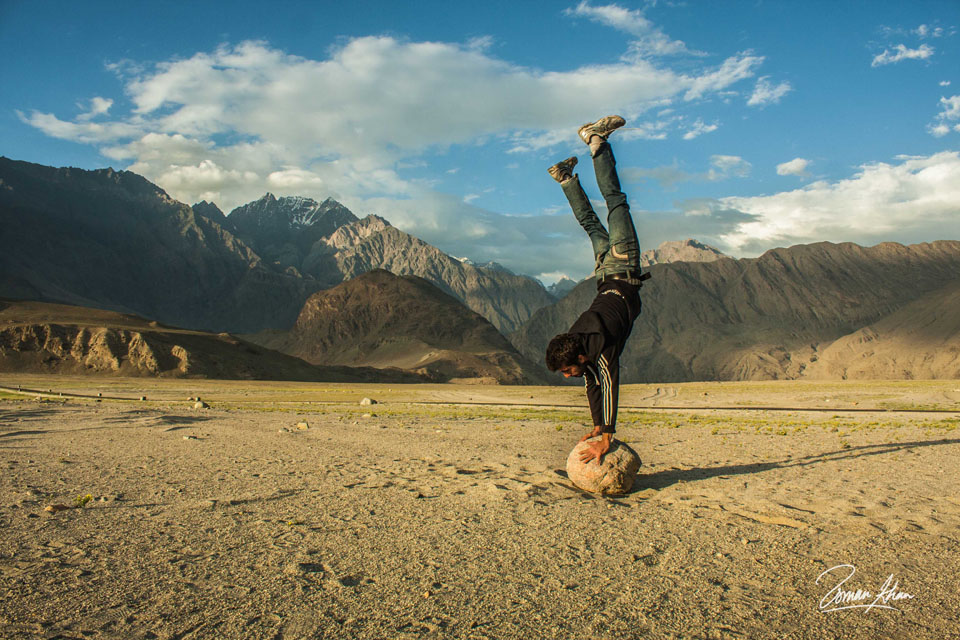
663 479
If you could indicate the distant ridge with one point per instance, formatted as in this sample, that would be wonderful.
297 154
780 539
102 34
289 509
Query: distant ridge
503 298
114 240
688 250
327 242
822 310
38 337
111 239
284 230
383 320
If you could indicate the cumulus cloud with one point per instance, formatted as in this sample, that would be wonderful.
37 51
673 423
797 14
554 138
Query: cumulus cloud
926 31
765 92
733 70
698 129
900 53
916 199
82 130
251 114
944 83
230 124
951 108
98 107
650 39
723 167
945 121
795 167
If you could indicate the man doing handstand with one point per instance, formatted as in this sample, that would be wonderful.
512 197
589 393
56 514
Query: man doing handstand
592 346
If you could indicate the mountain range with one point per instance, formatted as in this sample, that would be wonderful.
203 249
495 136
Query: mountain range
822 310
688 250
326 242
112 240
40 337
378 319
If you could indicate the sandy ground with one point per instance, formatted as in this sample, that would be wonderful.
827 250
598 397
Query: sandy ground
426 516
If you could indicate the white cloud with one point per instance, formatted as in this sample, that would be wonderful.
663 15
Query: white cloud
926 31
347 123
480 43
951 108
723 167
650 39
795 167
950 111
98 107
944 83
765 92
900 53
228 125
733 70
918 198
82 130
698 129
650 129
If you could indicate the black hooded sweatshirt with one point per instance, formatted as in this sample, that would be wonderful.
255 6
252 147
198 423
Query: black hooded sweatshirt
603 330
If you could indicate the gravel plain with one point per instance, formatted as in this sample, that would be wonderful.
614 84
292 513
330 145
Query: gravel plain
291 511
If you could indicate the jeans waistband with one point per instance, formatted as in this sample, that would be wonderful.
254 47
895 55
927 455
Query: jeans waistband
632 277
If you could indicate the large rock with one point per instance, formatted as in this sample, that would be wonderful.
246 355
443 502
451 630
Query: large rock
612 476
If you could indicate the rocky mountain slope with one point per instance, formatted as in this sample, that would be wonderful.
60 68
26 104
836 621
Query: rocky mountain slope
113 240
921 340
37 337
380 319
866 312
325 241
680 251
283 230
561 287
671 251
505 299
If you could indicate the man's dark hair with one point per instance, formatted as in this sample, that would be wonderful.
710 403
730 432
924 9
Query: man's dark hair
563 351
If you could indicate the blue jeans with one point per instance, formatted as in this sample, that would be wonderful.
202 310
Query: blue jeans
616 250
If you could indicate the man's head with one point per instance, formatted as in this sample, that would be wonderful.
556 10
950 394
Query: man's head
565 354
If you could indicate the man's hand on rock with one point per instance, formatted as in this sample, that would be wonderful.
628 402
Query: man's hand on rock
596 449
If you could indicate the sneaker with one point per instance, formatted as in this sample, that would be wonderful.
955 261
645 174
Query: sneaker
602 127
563 170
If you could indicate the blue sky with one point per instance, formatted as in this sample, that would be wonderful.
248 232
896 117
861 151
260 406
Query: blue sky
750 125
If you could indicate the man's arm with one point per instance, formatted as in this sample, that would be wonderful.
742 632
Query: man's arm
608 383
608 377
594 396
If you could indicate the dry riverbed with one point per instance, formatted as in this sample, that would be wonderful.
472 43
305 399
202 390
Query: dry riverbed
290 511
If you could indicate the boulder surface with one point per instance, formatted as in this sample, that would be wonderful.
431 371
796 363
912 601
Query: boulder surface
612 476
